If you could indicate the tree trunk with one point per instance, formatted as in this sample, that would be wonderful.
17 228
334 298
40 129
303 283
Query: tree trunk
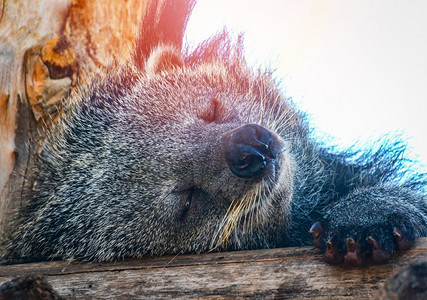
46 48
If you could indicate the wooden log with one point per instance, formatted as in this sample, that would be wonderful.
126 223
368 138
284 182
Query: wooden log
288 273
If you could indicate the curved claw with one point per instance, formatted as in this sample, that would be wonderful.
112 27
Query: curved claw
379 255
332 255
316 231
353 256
402 242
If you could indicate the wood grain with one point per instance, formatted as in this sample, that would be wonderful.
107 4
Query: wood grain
288 273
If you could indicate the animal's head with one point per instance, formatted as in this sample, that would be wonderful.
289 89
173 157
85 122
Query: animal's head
170 153
200 147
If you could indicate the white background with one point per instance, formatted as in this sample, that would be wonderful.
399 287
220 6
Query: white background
359 68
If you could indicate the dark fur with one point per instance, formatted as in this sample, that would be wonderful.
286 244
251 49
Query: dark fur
114 180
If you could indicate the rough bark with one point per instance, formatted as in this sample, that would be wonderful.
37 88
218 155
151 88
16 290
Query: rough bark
289 273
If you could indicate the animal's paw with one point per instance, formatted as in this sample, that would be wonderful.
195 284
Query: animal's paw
357 232
356 249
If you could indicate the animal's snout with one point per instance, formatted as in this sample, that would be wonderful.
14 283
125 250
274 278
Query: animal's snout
250 148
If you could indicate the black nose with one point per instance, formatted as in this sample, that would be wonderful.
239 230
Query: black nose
250 148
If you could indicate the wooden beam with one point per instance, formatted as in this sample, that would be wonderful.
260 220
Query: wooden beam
274 273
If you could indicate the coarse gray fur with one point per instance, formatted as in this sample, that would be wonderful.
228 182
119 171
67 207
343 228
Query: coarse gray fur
137 167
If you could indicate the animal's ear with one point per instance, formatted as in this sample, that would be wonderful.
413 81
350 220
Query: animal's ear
163 23
163 58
